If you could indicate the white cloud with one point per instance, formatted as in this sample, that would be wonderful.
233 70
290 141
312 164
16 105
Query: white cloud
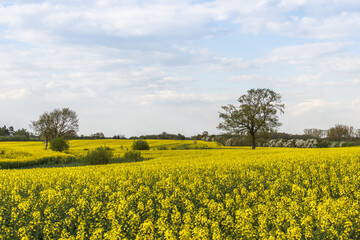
347 63
319 58
355 104
70 21
171 96
14 94
288 5
35 23
330 27
307 106
308 79
302 53
164 54
245 78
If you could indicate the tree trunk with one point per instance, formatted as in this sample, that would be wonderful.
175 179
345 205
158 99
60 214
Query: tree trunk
253 142
46 144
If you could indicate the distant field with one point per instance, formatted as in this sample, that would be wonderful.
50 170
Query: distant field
224 193
33 151
25 151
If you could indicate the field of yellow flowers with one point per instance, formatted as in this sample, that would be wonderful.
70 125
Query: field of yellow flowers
28 154
223 193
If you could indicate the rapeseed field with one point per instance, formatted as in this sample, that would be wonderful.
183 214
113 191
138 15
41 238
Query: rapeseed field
28 154
222 193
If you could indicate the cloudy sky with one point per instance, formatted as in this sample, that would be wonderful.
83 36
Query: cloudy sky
144 67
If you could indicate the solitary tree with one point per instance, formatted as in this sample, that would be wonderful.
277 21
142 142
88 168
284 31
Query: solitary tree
256 113
58 123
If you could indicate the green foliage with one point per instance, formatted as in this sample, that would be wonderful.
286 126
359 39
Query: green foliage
101 155
162 148
339 132
257 112
129 156
46 161
140 145
132 156
13 138
58 123
163 135
323 144
4 131
350 144
9 134
59 144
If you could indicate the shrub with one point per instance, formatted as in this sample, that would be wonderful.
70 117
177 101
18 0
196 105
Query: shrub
323 144
101 155
132 156
59 144
140 145
162 148
350 144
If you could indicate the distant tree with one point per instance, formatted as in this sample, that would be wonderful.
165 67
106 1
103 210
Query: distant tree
4 131
58 123
257 112
119 136
43 128
357 133
339 132
315 132
22 132
287 136
98 135
180 136
163 135
352 132
11 131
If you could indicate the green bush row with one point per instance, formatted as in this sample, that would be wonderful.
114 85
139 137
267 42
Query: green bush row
104 155
38 162
14 138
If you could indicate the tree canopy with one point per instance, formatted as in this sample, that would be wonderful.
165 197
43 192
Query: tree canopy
58 123
256 113
341 132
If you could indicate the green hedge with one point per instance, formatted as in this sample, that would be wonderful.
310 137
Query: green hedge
38 162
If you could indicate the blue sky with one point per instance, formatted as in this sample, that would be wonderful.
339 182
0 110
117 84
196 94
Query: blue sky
144 67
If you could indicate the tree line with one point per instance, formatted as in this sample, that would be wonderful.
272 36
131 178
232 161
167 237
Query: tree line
339 132
10 134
